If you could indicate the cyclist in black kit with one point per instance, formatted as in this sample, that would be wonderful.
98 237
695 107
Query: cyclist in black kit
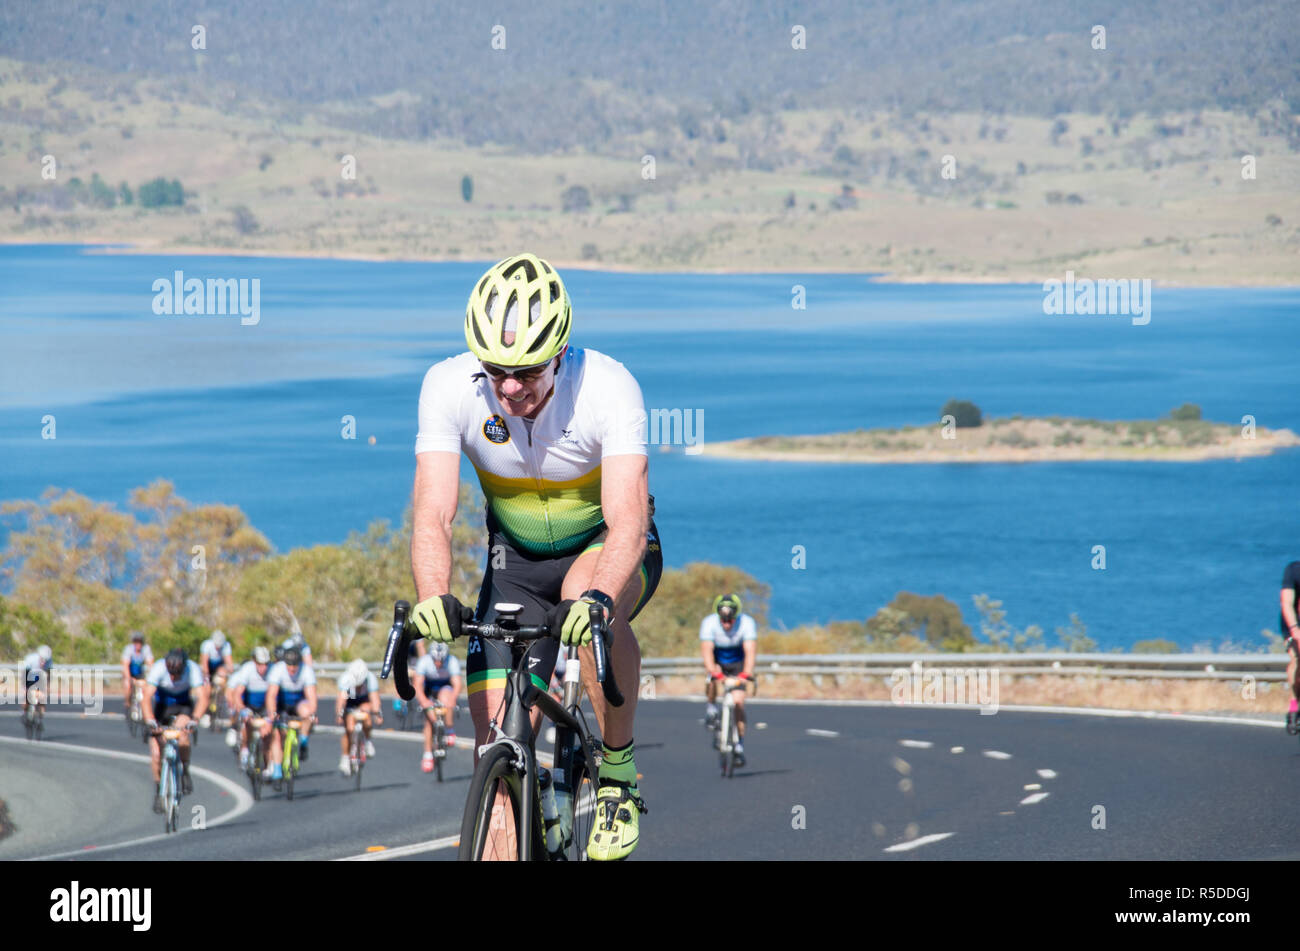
1291 632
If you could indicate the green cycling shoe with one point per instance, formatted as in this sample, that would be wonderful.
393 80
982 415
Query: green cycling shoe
616 831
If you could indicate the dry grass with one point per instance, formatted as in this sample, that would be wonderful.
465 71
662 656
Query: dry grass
1172 209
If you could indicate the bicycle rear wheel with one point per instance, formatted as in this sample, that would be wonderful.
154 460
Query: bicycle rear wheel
493 818
40 724
439 748
29 723
358 754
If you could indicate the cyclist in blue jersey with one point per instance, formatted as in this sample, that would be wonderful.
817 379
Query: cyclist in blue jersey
137 658
729 647
173 690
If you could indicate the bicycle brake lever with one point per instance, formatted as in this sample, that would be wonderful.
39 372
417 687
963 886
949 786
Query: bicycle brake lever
395 655
600 648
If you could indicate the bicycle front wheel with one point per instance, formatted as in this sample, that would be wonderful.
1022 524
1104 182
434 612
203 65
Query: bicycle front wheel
583 784
439 748
493 810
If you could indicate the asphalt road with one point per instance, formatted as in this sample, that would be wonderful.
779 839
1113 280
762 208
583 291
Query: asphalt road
822 782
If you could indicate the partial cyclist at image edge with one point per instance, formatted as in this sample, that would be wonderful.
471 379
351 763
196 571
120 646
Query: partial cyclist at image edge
557 437
1290 623
729 648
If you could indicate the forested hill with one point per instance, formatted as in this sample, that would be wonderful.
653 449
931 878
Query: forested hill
579 73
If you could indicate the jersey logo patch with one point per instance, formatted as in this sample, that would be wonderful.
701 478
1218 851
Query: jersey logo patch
494 429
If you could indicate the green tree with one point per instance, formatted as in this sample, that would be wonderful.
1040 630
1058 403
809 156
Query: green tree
467 188
967 414
101 193
1188 411
1001 635
575 198
933 619
124 194
159 193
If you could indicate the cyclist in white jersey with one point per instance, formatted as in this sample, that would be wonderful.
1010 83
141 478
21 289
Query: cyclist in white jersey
729 647
246 692
437 677
557 436
291 689
357 688
215 656
36 674
137 658
173 690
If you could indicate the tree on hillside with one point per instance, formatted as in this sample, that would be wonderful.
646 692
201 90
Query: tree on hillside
1188 411
934 619
467 188
575 198
670 624
160 193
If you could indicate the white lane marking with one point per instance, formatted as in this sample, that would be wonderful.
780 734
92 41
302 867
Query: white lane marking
917 843
1032 786
830 733
243 799
1015 708
958 749
1047 773
997 754
414 848
916 744
1033 798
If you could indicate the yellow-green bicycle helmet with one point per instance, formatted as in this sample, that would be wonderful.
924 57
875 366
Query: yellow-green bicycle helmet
541 328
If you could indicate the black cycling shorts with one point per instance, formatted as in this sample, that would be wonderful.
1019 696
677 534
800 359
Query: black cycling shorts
535 582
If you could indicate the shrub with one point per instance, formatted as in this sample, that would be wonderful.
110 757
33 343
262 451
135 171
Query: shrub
160 193
467 188
1187 411
967 414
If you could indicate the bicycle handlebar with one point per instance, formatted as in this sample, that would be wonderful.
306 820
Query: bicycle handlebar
399 639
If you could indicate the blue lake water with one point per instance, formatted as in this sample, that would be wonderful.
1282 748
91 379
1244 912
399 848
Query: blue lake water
250 415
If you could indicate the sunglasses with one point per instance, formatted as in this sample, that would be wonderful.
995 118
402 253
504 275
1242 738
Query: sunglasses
522 374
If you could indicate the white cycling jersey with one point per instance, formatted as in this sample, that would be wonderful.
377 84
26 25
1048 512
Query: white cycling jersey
728 647
142 657
304 647
208 650
349 686
541 481
430 670
248 679
175 689
280 676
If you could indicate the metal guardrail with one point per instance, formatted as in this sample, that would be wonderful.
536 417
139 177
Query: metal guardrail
1126 666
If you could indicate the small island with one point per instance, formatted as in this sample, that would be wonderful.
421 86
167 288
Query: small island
963 435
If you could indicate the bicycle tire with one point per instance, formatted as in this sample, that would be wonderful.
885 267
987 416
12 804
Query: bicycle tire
168 794
255 764
290 764
439 746
583 785
731 750
494 774
724 737
40 726
29 724
132 724
359 744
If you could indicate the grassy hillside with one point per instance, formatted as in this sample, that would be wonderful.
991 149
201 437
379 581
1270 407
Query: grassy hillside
805 189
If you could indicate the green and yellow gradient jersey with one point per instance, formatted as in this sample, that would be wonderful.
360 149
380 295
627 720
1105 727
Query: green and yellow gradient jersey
541 478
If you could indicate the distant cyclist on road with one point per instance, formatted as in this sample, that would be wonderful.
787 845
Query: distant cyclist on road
557 436
137 658
246 693
729 647
358 688
291 689
215 656
1291 632
300 642
174 689
437 677
36 675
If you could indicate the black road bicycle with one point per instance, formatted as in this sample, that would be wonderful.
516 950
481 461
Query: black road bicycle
508 786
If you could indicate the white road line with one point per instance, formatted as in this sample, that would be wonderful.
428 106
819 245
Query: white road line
958 749
916 744
1035 797
917 843
1029 787
243 800
997 754
1013 708
1047 773
415 848
830 733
